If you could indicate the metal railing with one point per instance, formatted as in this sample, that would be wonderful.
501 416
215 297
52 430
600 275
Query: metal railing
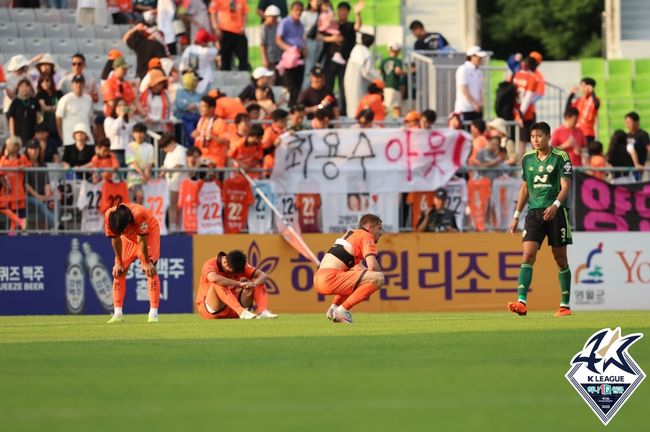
59 212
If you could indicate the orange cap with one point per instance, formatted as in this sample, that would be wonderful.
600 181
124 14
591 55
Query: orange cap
412 116
114 53
379 83
154 63
537 56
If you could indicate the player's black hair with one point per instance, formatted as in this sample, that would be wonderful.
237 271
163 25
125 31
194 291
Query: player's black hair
344 5
479 124
632 115
237 260
256 131
595 148
253 107
279 115
543 127
140 127
367 40
212 102
367 115
369 219
416 24
589 81
120 219
571 112
296 108
430 115
531 64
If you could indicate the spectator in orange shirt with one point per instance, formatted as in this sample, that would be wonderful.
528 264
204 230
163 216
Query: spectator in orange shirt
249 154
588 105
228 19
412 120
596 159
241 131
373 101
13 182
226 107
271 138
479 141
104 159
208 133
569 138
526 83
117 87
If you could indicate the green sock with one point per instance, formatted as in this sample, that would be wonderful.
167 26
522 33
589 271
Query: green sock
523 282
565 286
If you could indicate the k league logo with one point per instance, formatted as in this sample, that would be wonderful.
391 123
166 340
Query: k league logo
604 373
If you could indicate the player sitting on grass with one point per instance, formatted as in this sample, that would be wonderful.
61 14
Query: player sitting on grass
547 173
341 274
134 233
229 286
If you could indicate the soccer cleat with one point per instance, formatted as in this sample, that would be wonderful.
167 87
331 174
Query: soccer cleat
153 319
330 312
246 314
115 319
266 314
518 307
342 316
563 311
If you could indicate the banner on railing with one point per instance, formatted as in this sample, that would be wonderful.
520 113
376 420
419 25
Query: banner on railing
601 206
369 160
72 275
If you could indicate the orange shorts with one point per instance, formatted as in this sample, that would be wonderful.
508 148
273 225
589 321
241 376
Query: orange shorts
130 250
224 313
340 282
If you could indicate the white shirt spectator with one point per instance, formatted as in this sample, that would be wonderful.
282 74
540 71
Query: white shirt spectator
471 76
90 86
118 131
173 159
166 10
73 110
200 58
359 73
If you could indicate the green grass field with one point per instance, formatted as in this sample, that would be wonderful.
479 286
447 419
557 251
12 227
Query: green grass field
388 372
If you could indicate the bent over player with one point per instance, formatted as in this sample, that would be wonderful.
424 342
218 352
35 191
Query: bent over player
134 233
340 273
547 173
229 286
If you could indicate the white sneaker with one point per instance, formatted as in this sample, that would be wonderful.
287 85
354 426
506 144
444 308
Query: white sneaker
342 316
330 312
247 315
338 58
266 314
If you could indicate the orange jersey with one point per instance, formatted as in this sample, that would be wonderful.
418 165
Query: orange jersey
143 224
188 200
419 202
251 156
540 88
374 103
479 191
237 197
587 114
597 161
113 194
213 265
109 162
114 88
361 244
525 81
478 144
232 14
271 135
228 108
236 141
267 163
210 129
14 198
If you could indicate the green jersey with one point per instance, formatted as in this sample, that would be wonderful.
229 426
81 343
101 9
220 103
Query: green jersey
388 66
543 177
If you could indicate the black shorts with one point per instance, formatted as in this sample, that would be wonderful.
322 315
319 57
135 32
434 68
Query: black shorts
524 132
558 229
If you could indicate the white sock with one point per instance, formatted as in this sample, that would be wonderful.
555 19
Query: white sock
333 306
342 309
153 311
117 311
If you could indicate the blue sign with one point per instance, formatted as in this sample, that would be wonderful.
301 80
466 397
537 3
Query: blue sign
55 275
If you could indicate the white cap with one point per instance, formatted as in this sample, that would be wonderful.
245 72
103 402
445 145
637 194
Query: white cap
81 127
476 51
47 58
17 62
395 46
272 10
366 29
260 72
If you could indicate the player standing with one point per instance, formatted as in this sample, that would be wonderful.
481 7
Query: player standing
340 274
134 233
229 286
547 174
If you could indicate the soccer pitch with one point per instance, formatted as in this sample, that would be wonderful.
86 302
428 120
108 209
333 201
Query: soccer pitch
386 372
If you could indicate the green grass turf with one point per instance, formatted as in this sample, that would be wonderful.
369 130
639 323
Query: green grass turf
387 372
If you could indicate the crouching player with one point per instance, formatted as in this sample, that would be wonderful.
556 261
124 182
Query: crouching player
134 233
340 273
229 286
